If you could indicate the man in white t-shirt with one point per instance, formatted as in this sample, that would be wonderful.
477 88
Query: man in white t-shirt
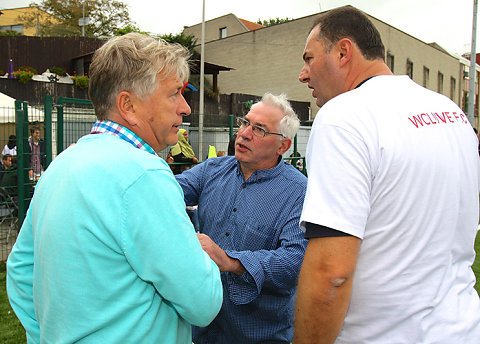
392 202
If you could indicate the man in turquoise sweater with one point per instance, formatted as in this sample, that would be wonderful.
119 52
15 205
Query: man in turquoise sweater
107 253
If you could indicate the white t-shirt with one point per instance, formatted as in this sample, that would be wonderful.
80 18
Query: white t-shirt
7 150
397 165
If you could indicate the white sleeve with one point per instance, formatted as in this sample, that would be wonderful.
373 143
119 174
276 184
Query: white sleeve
339 180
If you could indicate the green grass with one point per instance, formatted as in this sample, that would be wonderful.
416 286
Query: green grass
476 264
11 331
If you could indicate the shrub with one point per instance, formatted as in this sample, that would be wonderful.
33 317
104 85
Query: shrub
58 70
28 69
81 81
2 72
23 76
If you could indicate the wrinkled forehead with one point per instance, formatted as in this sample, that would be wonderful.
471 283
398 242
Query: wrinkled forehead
264 115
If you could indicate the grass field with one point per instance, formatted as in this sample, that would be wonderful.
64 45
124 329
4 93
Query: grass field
11 332
476 264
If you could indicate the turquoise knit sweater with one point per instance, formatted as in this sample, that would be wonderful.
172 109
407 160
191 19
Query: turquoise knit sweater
107 253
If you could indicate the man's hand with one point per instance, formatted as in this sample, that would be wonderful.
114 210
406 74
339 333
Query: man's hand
224 262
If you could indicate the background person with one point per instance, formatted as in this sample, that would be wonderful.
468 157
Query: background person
9 180
183 152
248 213
11 146
36 152
391 222
107 252
6 163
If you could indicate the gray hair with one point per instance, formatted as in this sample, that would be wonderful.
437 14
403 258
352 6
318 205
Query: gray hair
290 123
133 63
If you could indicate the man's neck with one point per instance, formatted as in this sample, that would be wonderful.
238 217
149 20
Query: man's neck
366 69
248 169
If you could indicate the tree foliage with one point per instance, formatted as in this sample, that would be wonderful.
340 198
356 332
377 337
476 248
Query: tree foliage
105 17
10 33
271 21
188 41
129 28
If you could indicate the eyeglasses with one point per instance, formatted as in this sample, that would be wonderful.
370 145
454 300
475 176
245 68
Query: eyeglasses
243 123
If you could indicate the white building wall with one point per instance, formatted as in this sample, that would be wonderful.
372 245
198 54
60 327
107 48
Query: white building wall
270 59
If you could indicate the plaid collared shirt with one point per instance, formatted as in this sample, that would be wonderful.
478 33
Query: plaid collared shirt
112 128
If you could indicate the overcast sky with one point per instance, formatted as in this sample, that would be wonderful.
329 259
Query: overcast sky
447 22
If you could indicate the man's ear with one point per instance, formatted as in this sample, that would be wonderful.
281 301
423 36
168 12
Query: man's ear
344 49
284 145
126 108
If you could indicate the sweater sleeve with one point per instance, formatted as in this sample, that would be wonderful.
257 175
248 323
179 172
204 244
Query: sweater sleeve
184 275
20 280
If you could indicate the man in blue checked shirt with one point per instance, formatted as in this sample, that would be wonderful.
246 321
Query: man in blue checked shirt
249 207
107 253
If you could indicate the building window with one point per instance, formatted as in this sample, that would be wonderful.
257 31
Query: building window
410 68
440 82
390 61
452 88
426 76
223 32
17 28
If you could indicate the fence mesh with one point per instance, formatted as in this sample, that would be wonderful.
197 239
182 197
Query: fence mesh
51 128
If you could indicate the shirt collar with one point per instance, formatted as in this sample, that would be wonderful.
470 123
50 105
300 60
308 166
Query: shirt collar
115 129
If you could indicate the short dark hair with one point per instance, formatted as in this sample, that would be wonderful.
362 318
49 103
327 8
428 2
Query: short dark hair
348 22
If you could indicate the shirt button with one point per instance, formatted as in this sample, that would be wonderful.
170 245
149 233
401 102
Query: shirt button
227 234
234 209
244 186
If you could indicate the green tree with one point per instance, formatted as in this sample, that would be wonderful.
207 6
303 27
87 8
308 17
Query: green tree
10 33
271 21
188 41
129 28
105 17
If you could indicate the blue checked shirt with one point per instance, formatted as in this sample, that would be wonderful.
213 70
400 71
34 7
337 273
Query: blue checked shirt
257 222
112 128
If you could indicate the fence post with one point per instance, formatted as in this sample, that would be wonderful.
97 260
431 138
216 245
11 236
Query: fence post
230 125
21 123
47 121
295 149
59 125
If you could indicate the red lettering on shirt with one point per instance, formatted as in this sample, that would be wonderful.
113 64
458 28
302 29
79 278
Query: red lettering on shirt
423 118
443 119
433 122
463 117
448 116
426 119
417 121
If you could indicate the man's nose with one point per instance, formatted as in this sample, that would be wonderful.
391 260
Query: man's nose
183 107
304 77
246 132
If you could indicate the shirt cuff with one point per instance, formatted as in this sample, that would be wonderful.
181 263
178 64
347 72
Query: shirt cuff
313 230
245 288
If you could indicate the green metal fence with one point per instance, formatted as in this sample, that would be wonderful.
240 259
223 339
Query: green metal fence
61 125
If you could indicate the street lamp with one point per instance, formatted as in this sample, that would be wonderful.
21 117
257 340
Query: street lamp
83 21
